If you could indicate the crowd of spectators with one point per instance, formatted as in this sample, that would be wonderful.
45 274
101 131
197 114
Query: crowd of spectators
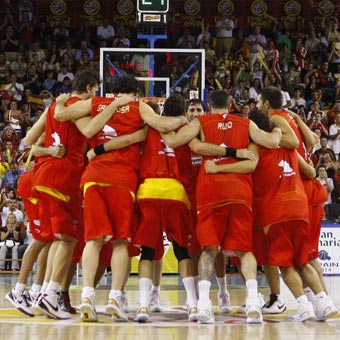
38 62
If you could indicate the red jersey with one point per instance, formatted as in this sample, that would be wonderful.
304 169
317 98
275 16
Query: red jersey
117 167
279 194
160 161
215 189
315 192
61 174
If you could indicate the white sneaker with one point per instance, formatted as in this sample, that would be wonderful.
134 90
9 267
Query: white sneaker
241 309
20 302
114 308
304 312
154 302
205 312
192 313
87 310
143 314
124 302
253 309
48 305
274 306
324 308
224 304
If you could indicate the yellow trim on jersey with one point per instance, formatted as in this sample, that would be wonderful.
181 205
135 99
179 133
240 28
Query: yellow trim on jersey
52 192
90 184
163 188
266 229
33 200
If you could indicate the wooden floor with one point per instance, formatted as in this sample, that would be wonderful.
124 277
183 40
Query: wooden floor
171 323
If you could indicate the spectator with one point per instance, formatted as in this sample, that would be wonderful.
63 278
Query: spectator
334 136
324 149
11 207
257 42
83 48
10 241
10 42
60 33
4 68
14 117
18 67
328 184
297 100
36 49
15 89
187 37
50 81
31 80
64 72
105 31
224 34
11 178
42 34
316 123
64 87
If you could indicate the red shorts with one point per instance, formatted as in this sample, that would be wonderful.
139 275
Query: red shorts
108 211
228 226
288 244
59 217
32 211
316 213
194 246
157 215
260 245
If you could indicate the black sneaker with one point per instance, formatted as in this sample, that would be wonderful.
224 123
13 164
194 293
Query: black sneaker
65 303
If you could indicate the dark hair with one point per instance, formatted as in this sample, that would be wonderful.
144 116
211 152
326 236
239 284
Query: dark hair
260 119
273 95
219 99
126 84
154 107
196 101
174 106
84 78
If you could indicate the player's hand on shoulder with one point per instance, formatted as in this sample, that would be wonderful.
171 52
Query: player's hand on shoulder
90 155
62 98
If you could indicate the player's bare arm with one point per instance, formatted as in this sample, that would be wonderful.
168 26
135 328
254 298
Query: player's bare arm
160 123
289 139
240 167
269 140
37 130
121 142
184 135
208 149
306 169
310 138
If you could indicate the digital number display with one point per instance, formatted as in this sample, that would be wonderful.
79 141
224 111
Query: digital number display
153 6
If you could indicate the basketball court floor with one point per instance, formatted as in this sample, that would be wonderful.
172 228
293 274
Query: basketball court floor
171 322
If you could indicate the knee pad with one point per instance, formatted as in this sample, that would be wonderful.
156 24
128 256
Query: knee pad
148 254
181 253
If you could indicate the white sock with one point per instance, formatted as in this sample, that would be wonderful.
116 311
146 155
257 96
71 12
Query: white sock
204 290
35 288
156 289
87 291
114 293
145 285
189 285
309 293
53 287
302 299
321 295
44 287
222 284
19 288
251 288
